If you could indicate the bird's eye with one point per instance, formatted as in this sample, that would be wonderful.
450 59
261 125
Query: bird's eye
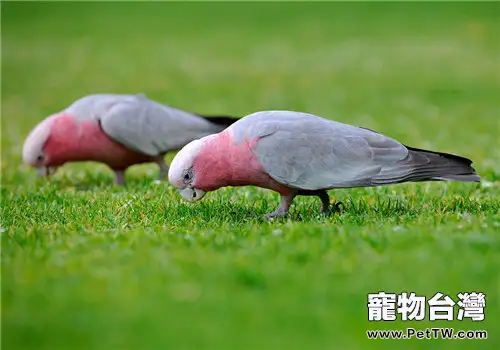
194 194
186 176
39 158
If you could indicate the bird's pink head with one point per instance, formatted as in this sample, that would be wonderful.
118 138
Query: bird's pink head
216 161
50 143
204 165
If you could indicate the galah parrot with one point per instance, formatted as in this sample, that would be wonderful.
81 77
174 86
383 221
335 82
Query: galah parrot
297 153
118 130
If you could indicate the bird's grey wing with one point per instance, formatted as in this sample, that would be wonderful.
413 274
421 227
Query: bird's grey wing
151 128
307 152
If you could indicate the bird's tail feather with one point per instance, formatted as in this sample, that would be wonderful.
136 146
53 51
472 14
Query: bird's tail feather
424 165
462 178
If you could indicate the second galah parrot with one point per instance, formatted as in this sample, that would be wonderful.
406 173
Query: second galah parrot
118 130
297 153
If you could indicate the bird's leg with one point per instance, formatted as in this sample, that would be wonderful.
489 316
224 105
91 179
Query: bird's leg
326 208
163 167
120 177
284 207
325 202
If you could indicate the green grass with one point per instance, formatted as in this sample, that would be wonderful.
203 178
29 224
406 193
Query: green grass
87 265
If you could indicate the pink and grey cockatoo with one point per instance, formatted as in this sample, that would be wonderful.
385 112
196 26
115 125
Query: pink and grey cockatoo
296 153
118 130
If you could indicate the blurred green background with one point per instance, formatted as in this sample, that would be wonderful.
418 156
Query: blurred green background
86 265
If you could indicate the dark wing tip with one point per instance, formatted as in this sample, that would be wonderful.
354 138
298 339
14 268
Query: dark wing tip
442 154
220 120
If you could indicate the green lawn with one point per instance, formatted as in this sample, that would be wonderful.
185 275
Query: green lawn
86 265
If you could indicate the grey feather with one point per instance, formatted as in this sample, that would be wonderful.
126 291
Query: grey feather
307 152
423 165
142 124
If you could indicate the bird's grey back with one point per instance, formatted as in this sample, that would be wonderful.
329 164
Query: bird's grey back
308 152
141 124
96 105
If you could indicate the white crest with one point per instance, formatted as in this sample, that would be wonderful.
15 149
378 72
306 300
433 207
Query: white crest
33 145
184 159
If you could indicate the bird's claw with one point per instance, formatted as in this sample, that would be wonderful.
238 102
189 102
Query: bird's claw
332 208
274 215
339 206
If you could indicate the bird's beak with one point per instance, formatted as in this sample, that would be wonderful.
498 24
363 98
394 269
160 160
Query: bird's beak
46 170
192 194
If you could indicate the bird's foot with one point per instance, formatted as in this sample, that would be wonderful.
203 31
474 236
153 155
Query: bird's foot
278 213
282 211
332 208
